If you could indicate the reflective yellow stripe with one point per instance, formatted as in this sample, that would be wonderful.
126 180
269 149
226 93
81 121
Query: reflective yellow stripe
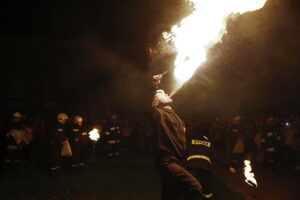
112 142
54 168
199 157
201 142
208 196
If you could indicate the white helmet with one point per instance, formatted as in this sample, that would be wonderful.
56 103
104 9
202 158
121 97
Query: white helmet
78 118
17 115
237 118
61 117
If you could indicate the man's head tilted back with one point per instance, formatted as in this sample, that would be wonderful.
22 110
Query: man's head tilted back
161 99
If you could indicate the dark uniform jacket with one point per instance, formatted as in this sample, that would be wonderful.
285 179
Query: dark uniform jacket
9 140
78 134
58 134
170 136
271 138
200 153
112 131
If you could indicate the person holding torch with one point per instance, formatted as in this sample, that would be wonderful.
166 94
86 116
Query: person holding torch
171 149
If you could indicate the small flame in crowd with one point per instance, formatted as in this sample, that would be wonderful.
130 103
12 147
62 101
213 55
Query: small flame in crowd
201 30
94 134
249 175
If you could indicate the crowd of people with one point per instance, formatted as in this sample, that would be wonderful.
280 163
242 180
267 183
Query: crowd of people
64 140
265 140
269 141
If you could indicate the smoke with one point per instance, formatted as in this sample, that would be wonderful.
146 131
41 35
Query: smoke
107 80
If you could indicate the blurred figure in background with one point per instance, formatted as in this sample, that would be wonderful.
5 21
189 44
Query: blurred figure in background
57 137
39 141
296 151
14 138
288 132
237 144
112 132
79 142
218 135
271 139
126 135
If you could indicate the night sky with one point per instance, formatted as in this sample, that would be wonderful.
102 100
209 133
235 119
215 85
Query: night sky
97 52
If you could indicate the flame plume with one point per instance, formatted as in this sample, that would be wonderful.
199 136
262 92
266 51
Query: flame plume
201 30
249 175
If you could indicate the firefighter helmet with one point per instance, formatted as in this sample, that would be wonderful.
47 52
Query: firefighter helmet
78 119
237 118
17 115
62 117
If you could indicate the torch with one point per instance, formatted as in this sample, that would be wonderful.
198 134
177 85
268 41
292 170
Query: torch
249 175
94 136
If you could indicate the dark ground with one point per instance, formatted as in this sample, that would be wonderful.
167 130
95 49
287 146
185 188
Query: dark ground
273 184
126 178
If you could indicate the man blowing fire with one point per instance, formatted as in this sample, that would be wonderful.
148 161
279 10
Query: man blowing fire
171 152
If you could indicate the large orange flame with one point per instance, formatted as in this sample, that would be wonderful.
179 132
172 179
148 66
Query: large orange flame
201 30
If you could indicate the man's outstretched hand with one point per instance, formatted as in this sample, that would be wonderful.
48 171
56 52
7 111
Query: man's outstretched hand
156 79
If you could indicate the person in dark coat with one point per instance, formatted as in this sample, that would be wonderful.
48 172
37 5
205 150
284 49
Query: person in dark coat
79 142
171 150
271 140
57 138
112 132
13 138
237 145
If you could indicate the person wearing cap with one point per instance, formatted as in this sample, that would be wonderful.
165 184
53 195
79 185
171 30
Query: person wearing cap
57 137
171 150
79 142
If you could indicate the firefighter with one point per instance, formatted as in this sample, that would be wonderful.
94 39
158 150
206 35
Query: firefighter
199 159
79 141
58 139
171 151
14 138
113 133
201 153
237 144
271 139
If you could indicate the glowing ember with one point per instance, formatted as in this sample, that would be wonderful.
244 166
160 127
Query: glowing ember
201 30
94 134
249 175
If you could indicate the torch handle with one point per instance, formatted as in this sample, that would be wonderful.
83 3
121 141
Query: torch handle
164 73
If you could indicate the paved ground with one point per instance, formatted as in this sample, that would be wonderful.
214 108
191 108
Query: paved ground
279 184
134 178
